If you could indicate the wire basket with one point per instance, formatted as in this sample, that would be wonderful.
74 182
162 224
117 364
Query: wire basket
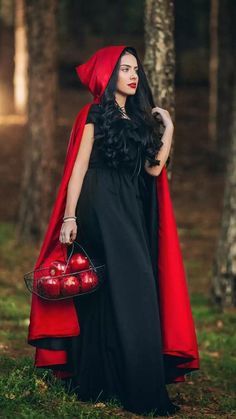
48 284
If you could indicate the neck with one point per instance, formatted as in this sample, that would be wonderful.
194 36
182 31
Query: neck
120 99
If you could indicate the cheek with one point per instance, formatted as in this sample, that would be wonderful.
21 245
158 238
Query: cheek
122 79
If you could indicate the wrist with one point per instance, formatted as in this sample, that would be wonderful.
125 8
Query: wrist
69 218
169 126
69 214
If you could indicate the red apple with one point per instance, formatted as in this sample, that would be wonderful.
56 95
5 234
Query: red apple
78 262
57 267
70 285
88 280
49 286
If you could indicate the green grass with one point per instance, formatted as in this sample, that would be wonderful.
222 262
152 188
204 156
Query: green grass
29 392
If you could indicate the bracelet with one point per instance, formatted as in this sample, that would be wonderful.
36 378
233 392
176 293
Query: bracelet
69 218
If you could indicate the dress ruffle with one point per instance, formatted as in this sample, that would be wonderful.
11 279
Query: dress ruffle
127 145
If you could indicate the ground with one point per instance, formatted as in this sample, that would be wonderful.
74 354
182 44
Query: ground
197 198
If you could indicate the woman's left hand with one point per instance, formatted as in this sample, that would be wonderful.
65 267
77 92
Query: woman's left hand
167 121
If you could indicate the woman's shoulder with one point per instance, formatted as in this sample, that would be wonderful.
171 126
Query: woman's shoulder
93 113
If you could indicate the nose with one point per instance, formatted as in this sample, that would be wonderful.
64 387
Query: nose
133 75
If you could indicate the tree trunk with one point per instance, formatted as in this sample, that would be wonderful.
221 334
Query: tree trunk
21 59
42 75
213 74
6 56
224 264
159 60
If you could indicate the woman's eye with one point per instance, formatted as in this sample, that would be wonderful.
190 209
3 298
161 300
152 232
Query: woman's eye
126 69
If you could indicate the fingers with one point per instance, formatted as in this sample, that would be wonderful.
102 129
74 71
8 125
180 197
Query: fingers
164 115
74 234
72 237
160 110
62 237
67 234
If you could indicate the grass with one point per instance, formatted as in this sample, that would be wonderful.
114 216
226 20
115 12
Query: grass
211 391
32 393
27 392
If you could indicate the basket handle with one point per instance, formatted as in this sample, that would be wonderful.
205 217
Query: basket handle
72 250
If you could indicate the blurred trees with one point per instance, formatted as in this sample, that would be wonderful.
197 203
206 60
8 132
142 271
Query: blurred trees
192 41
221 78
21 60
223 144
6 55
76 22
226 74
79 19
36 187
224 266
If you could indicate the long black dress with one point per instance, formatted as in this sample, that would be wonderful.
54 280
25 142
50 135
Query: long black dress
118 352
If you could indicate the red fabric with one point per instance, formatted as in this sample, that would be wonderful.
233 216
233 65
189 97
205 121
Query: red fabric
59 318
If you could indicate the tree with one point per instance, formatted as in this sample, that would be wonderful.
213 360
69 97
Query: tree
159 60
36 188
6 56
224 264
224 261
221 76
21 59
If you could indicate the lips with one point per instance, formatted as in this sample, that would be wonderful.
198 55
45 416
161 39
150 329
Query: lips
133 85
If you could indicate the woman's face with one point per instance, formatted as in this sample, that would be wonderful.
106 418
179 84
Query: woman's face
127 82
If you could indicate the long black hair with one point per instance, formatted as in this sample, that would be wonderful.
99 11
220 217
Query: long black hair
112 139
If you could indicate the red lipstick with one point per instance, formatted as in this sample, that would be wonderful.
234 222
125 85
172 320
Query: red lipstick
133 85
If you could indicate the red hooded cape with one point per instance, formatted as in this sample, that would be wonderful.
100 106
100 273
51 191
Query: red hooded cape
59 318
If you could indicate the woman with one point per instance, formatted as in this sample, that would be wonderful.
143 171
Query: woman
110 344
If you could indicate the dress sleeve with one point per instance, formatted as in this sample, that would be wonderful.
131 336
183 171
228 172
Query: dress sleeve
93 114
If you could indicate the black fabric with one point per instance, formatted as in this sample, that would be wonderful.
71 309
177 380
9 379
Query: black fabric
130 156
118 353
93 115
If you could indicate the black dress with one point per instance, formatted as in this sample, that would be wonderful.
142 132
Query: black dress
118 353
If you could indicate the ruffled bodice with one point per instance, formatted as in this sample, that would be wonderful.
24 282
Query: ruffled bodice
127 151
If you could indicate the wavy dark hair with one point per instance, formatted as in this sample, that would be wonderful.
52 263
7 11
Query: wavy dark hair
112 140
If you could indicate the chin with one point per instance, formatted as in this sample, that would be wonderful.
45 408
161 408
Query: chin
131 93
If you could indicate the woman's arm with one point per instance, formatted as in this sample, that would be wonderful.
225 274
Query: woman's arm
69 228
164 152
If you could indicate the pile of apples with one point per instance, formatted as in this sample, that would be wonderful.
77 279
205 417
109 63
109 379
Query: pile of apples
57 284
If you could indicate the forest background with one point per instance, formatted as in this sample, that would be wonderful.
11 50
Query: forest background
41 42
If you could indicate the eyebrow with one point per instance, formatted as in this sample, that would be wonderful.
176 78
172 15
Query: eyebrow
129 65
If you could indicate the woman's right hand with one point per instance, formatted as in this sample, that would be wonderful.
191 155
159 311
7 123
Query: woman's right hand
68 232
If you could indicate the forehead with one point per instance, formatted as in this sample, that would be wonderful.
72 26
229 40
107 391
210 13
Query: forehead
128 59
